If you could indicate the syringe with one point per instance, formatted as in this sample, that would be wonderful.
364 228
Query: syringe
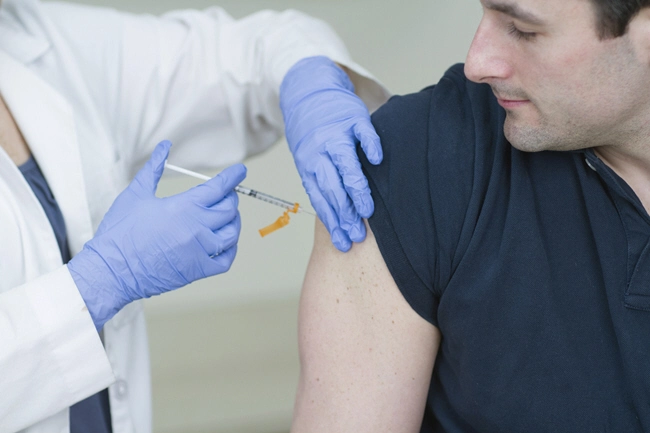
241 189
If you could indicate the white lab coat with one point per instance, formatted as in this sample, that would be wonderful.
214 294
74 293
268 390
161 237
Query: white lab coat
93 91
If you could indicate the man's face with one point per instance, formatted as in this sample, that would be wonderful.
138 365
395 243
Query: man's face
561 86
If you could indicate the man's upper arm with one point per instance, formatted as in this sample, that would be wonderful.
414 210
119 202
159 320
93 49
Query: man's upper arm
366 356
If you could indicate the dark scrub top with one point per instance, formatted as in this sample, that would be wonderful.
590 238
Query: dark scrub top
535 267
92 414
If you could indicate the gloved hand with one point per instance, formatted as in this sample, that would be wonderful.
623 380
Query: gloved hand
324 121
146 245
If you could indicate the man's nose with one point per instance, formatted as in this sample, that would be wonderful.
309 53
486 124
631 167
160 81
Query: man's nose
487 57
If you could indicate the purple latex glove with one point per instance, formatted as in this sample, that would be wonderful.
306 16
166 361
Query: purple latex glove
146 245
324 122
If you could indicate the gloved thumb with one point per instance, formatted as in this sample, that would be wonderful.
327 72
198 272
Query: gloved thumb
214 190
148 177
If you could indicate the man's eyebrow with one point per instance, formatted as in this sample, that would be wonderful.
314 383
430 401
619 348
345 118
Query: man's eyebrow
513 10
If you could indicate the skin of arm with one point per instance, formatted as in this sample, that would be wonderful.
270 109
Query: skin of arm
350 74
366 356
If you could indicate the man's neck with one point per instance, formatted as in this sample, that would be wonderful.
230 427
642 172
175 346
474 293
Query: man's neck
632 168
11 140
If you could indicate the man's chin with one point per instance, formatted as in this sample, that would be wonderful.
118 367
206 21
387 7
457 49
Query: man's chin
527 147
526 139
538 140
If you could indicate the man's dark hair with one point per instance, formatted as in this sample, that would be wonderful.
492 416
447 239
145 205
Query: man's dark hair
614 16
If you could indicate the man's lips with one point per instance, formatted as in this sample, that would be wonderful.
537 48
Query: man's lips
512 103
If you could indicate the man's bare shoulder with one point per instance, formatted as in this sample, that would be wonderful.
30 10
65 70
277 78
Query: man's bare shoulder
366 356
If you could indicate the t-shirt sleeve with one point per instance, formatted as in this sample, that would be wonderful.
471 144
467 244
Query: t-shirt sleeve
427 191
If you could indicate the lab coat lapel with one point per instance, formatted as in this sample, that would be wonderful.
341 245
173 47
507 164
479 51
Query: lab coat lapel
46 121
18 42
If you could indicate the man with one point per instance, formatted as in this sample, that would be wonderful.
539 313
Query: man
86 95
504 286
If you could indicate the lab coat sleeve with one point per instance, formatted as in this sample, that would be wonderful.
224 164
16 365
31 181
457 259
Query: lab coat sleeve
208 82
51 355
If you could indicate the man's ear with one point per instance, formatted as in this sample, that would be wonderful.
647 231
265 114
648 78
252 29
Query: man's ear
639 34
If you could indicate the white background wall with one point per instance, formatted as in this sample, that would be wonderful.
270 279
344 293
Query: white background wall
223 350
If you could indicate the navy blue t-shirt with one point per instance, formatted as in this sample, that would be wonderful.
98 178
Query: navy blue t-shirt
535 267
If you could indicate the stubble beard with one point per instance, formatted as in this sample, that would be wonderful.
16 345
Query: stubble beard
546 135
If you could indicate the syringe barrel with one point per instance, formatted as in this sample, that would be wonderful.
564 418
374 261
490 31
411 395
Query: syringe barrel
264 197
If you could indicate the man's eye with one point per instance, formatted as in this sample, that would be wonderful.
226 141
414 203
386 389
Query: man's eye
519 35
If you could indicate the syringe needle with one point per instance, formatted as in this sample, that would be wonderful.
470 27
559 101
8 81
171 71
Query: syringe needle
243 190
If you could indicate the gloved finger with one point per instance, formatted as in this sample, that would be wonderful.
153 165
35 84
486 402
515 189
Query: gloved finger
221 213
327 215
146 181
228 236
220 263
331 185
206 239
370 141
349 221
214 190
216 242
347 163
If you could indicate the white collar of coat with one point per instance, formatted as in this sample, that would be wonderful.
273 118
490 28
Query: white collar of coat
21 30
